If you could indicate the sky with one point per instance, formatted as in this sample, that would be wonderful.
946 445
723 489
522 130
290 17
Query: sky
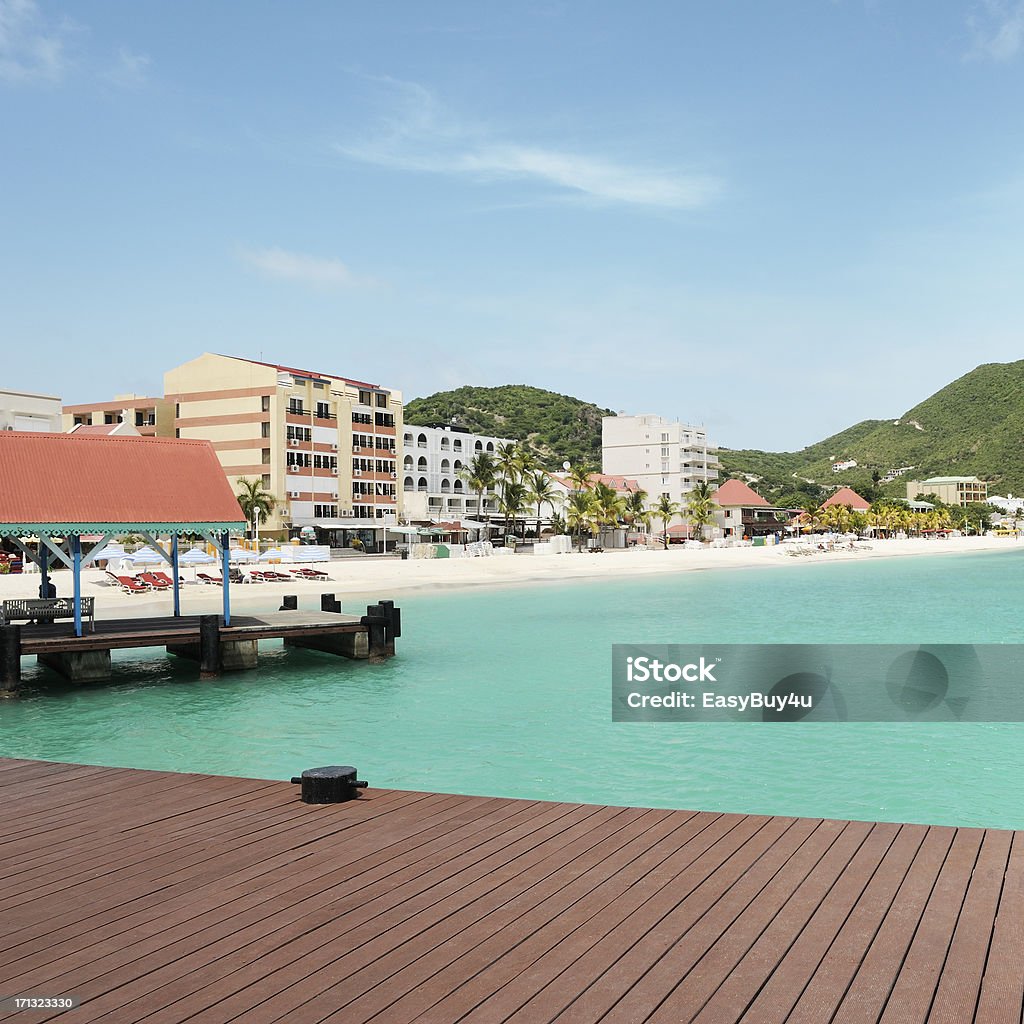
775 219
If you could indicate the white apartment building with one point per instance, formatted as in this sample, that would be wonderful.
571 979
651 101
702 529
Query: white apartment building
662 456
432 461
25 410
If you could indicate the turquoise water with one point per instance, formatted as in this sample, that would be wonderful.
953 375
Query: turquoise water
505 692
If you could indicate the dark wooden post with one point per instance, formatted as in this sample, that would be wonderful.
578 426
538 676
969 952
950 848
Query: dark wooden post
329 604
209 646
376 623
10 660
289 603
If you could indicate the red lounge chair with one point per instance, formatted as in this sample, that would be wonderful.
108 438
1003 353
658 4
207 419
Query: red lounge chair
213 581
164 578
131 585
154 580
311 574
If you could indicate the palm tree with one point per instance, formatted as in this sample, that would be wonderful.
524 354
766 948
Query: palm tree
512 501
700 508
255 502
479 477
665 510
579 476
636 512
609 504
579 513
542 491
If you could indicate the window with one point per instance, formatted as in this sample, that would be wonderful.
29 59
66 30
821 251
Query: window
266 481
266 456
408 484
385 419
364 397
266 403
140 419
664 438
363 418
108 417
265 429
382 401
323 411
318 384
664 453
295 406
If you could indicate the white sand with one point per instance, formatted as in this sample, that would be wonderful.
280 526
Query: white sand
370 578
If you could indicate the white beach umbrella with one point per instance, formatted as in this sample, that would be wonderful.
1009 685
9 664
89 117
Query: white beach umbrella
196 556
243 555
145 556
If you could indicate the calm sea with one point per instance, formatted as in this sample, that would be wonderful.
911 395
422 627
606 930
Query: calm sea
505 692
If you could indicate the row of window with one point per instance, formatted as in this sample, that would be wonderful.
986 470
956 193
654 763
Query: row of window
385 444
447 444
378 398
421 465
446 486
298 433
373 466
369 487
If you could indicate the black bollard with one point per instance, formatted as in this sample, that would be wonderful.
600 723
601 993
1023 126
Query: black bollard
209 646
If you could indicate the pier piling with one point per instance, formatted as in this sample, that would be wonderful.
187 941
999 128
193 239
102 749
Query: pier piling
10 660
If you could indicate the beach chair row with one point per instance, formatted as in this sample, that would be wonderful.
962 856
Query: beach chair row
263 576
143 583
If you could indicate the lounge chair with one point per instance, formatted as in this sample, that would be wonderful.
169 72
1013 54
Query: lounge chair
211 581
130 585
155 582
163 577
311 574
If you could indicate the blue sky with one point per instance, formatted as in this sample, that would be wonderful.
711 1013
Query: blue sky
776 219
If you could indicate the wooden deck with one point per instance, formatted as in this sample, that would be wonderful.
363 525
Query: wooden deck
158 631
171 898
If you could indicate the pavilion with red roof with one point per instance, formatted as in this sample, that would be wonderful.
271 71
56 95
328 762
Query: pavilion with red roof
61 488
848 497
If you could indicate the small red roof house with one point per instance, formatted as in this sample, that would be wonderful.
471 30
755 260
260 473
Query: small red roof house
742 512
621 484
736 494
850 498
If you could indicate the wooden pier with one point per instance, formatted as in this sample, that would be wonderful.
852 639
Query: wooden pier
164 898
203 638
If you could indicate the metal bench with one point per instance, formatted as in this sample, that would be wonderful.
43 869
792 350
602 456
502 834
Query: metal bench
45 609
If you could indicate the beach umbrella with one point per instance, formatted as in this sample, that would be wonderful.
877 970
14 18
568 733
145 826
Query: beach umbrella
196 556
243 555
145 556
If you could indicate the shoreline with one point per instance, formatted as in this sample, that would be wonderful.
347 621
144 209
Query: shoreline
375 579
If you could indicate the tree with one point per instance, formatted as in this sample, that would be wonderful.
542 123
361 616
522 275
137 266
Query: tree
665 510
255 502
579 513
479 477
512 501
609 505
541 491
700 508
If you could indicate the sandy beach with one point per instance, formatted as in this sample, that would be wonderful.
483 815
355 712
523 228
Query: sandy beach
358 579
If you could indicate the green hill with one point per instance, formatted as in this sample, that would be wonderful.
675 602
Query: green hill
556 426
972 427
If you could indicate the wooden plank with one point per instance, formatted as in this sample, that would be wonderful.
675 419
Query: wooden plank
1002 986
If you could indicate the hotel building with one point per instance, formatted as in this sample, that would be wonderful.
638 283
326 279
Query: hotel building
663 457
322 444
952 490
432 461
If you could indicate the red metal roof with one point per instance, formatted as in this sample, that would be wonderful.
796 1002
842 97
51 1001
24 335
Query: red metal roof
848 496
90 480
736 493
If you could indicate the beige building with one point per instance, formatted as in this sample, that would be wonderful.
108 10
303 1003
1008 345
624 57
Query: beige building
151 417
25 410
323 445
952 490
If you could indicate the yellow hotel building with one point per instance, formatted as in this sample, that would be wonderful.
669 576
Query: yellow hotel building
323 445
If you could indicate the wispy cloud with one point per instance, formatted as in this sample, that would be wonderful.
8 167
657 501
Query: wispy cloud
417 134
129 70
31 50
998 29
298 266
